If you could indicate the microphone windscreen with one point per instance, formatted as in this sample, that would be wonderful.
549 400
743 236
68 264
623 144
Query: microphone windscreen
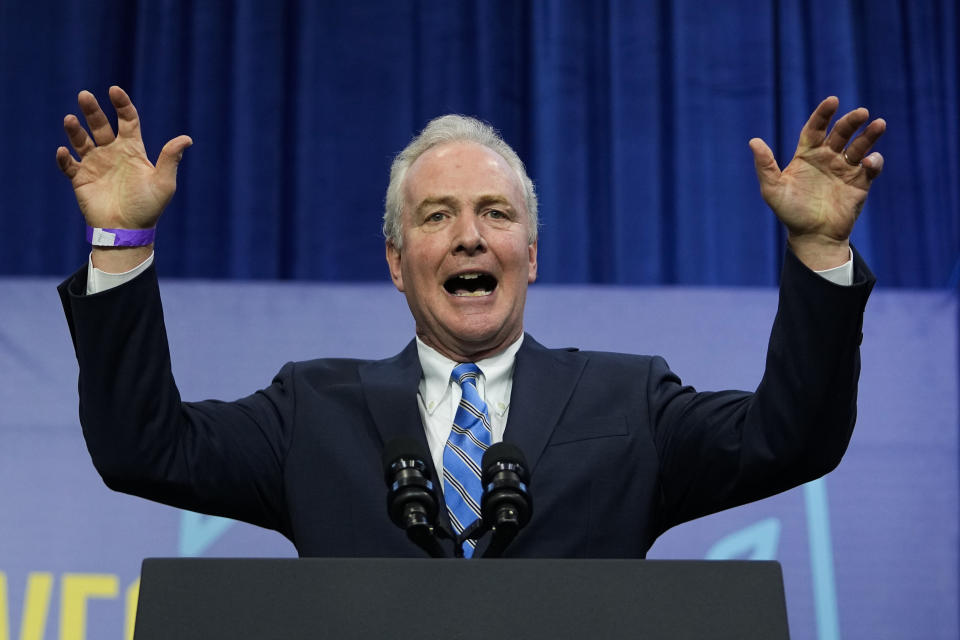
402 447
503 452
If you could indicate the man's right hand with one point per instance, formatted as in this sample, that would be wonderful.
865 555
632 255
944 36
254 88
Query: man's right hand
116 185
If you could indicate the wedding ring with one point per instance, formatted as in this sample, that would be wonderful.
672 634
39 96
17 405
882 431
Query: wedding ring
849 162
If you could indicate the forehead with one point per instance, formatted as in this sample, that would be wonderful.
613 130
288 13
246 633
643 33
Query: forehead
463 170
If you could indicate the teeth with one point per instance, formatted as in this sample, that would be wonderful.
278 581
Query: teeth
465 285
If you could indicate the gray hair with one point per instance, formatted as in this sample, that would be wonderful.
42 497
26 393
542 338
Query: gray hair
450 128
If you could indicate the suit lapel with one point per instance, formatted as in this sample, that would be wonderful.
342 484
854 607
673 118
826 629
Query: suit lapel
543 381
390 388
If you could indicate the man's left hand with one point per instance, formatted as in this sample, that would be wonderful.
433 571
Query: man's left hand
819 195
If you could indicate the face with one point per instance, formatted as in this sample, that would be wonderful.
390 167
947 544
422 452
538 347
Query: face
466 259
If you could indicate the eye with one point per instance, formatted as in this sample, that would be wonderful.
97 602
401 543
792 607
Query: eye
496 214
437 216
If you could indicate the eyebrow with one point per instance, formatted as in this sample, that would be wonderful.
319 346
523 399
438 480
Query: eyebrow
449 201
484 201
446 201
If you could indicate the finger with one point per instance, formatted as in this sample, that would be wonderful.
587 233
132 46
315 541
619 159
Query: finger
67 164
96 120
77 135
845 127
814 132
170 156
862 144
873 164
768 173
128 122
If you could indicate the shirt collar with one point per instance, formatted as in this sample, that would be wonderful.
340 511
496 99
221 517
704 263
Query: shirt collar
496 381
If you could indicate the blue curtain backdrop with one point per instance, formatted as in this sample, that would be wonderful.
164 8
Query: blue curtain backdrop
633 118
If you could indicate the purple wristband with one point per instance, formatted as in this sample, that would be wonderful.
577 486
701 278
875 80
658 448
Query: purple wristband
120 237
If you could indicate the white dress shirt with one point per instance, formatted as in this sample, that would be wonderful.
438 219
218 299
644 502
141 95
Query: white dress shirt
438 396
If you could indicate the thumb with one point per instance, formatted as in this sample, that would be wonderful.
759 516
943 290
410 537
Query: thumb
768 172
170 157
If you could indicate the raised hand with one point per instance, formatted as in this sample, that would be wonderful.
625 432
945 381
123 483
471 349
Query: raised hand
115 184
819 195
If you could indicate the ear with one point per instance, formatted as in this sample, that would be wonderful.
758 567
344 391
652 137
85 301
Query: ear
532 262
393 261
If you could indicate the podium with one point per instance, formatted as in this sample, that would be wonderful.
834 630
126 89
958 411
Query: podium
343 598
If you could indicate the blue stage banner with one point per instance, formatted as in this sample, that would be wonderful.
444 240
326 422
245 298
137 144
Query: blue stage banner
870 551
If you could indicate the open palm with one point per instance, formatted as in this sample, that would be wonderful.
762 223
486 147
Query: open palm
115 184
819 195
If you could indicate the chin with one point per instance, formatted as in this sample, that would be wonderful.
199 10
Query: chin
482 335
474 335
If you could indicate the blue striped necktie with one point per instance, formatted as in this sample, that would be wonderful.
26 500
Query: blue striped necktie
469 438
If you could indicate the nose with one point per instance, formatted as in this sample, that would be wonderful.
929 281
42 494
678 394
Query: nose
468 238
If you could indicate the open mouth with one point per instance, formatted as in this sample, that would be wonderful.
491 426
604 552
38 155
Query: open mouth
471 284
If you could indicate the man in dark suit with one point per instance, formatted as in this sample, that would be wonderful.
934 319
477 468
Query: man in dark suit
619 449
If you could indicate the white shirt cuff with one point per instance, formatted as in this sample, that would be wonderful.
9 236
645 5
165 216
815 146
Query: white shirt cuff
842 275
98 280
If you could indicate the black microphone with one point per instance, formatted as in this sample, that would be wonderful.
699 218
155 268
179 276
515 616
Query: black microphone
506 504
411 501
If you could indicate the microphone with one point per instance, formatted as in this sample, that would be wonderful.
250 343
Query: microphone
411 501
506 504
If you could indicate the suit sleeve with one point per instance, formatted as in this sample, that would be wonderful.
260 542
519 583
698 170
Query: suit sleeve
218 458
722 449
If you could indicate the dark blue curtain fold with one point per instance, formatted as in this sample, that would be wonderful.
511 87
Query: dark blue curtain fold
633 118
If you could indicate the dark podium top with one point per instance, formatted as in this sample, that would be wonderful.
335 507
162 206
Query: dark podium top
463 599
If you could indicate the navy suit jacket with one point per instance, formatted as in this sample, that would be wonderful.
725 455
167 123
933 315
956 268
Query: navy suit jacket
619 449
